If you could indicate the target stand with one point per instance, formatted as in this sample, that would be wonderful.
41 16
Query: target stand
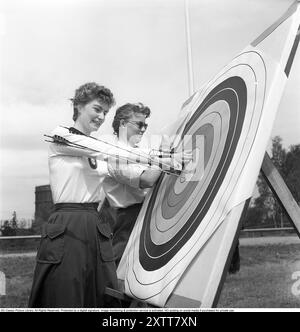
182 243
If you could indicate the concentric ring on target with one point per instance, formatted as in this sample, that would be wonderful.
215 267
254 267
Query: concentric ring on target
176 209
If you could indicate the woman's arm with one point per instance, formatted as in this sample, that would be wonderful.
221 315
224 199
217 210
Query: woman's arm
134 176
149 178
95 149
98 149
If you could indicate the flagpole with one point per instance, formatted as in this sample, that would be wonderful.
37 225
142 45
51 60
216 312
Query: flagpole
189 49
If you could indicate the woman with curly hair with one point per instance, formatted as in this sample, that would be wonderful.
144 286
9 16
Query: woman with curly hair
75 260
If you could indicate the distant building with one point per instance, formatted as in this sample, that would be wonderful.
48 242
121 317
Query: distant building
43 205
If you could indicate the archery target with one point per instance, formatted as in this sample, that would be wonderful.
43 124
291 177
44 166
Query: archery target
180 215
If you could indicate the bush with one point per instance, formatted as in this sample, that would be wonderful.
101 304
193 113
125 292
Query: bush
253 218
8 230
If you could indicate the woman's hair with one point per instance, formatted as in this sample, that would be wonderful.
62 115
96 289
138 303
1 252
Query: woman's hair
88 92
125 112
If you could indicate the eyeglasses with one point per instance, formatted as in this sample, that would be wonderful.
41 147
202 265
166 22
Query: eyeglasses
139 124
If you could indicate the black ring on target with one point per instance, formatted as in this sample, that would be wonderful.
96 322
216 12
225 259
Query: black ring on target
233 91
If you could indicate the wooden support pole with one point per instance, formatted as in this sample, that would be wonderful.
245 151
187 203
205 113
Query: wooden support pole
281 192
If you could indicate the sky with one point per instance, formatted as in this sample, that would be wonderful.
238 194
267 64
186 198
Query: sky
137 48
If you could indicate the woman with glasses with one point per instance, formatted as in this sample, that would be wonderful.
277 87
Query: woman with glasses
127 185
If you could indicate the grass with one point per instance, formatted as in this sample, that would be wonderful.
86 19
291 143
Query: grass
18 272
18 245
264 281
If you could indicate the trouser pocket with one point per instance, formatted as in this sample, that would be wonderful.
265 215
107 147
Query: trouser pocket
51 248
105 236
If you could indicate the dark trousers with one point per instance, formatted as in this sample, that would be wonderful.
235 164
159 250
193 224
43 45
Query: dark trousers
125 221
122 222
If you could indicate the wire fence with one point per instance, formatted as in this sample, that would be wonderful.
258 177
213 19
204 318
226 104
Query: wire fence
246 230
19 244
28 244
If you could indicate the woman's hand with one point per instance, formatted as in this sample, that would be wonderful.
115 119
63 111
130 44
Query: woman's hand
169 164
183 157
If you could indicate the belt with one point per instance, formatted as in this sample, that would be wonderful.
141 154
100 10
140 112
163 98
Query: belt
134 206
75 206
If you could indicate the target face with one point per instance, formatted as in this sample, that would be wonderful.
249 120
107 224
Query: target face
176 209
180 216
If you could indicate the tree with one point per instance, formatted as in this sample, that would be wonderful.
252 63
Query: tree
10 227
288 165
292 171
14 222
279 160
266 202
253 215
278 154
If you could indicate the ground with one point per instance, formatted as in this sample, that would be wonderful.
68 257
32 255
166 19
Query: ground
18 272
267 278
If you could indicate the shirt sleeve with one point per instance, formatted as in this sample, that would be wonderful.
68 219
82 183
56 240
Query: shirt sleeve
127 174
95 148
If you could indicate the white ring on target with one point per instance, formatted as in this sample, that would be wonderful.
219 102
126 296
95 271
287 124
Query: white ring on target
137 277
